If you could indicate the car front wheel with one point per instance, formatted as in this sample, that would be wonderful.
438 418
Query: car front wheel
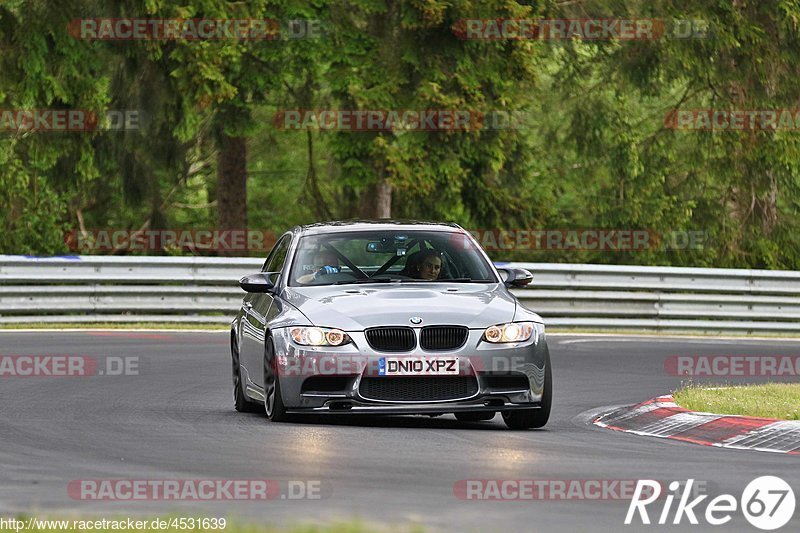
273 401
241 402
534 418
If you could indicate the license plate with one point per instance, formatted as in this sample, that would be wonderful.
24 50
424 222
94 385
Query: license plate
417 366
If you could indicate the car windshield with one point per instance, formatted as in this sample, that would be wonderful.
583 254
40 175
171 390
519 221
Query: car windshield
389 256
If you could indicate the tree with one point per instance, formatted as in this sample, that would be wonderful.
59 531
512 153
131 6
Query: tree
393 55
41 173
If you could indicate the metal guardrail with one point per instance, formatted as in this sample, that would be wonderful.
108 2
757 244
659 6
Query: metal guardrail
204 290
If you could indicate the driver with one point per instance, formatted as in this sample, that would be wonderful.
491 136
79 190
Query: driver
325 262
429 265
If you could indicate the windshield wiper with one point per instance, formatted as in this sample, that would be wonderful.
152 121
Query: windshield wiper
392 280
444 280
465 280
368 280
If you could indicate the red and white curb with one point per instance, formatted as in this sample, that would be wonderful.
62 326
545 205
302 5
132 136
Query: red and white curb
661 417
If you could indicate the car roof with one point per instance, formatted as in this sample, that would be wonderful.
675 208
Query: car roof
384 224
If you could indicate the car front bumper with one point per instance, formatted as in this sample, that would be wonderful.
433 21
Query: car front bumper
506 376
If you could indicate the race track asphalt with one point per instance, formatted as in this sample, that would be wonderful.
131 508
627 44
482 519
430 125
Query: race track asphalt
174 420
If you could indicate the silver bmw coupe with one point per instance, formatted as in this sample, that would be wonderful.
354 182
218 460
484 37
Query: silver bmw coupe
388 317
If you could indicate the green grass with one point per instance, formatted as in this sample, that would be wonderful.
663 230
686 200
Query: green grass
771 400
231 527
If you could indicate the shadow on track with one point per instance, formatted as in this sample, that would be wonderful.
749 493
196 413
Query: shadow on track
384 421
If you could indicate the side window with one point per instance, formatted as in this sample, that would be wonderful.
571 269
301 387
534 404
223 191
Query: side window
277 257
271 254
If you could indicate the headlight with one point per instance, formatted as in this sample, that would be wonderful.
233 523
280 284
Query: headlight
511 332
310 336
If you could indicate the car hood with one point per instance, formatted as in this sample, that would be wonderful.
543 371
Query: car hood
355 308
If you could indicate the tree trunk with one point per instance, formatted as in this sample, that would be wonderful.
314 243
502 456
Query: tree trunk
376 200
232 186
320 208
383 199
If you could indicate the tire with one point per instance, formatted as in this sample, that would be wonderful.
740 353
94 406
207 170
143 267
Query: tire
273 401
534 418
241 402
474 416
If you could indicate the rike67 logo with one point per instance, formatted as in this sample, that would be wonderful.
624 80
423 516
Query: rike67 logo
767 502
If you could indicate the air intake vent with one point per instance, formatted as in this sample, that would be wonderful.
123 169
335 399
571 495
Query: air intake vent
391 339
443 337
510 381
418 389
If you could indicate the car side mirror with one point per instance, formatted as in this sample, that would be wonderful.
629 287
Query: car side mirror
515 277
259 283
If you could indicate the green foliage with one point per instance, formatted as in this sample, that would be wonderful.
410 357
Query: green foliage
593 149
